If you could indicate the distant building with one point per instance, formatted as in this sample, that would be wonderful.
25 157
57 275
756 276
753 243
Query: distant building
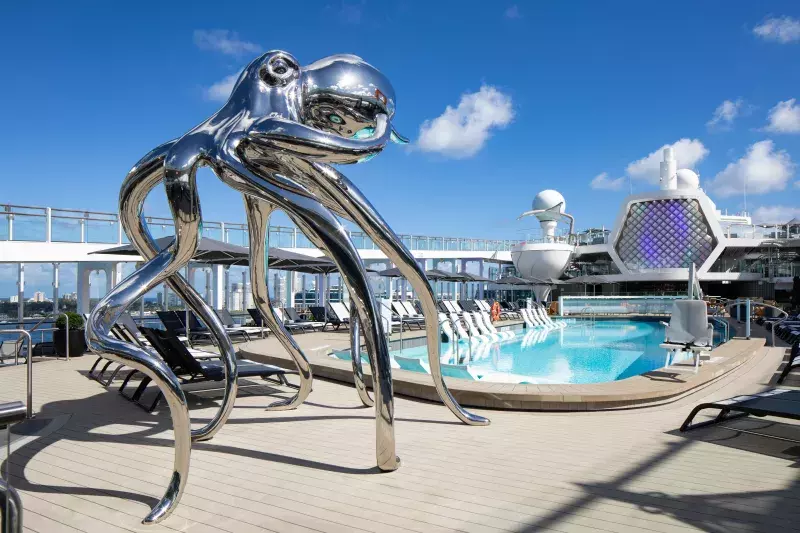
39 296
13 299
248 297
237 297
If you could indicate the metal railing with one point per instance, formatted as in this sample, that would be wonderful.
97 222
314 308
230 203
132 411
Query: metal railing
46 224
29 370
724 324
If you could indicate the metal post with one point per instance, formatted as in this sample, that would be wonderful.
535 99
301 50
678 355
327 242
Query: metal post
223 235
48 225
119 230
55 288
21 292
66 335
83 229
29 365
747 319
10 224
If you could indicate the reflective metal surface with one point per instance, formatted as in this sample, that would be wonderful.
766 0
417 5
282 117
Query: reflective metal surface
10 508
279 117
355 358
258 213
357 207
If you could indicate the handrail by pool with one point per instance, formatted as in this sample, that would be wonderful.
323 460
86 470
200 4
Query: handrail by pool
724 323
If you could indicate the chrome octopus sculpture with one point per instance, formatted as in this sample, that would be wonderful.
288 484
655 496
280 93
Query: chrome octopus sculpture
273 142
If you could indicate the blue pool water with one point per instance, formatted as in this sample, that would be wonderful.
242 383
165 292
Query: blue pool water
584 352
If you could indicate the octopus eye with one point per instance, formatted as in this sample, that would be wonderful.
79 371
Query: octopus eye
336 119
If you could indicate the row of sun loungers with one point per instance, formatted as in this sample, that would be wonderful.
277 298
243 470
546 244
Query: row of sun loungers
786 328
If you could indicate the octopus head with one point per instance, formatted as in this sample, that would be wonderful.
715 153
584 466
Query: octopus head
345 95
336 110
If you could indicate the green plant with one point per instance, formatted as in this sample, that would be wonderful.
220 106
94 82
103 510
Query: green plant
75 321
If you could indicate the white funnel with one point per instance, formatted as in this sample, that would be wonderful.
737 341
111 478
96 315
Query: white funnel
669 167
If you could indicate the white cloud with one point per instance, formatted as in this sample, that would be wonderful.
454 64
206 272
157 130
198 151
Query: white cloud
601 181
784 117
761 170
461 132
224 41
513 12
220 91
725 114
775 214
688 153
781 29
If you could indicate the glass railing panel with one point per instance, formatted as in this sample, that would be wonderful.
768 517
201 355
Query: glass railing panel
63 229
436 243
358 239
303 242
101 231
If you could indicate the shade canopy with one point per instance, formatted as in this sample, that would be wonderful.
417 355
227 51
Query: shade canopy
212 251
475 277
441 275
391 273
514 280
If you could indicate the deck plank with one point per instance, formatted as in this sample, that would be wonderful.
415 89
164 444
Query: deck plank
312 469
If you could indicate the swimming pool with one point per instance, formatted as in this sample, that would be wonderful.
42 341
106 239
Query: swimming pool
586 351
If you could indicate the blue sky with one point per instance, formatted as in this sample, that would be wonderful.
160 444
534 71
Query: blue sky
542 95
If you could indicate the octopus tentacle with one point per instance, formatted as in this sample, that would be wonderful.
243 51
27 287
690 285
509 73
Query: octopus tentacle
258 213
366 216
98 337
326 233
355 357
182 193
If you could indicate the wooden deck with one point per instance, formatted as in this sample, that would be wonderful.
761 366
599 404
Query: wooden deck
312 469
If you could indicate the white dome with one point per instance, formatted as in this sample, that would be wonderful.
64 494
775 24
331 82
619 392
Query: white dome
548 199
687 179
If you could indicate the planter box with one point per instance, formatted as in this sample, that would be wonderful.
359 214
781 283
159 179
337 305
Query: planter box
77 342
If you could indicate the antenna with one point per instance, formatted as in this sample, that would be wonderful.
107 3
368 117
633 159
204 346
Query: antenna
745 194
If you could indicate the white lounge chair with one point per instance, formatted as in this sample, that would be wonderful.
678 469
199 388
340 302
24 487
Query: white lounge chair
549 321
478 317
340 311
527 318
473 331
483 305
405 317
459 328
412 312
446 329
488 321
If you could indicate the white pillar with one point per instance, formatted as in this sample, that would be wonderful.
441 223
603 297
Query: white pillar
55 287
165 297
208 297
20 291
290 289
84 273
218 286
481 285
227 287
113 276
